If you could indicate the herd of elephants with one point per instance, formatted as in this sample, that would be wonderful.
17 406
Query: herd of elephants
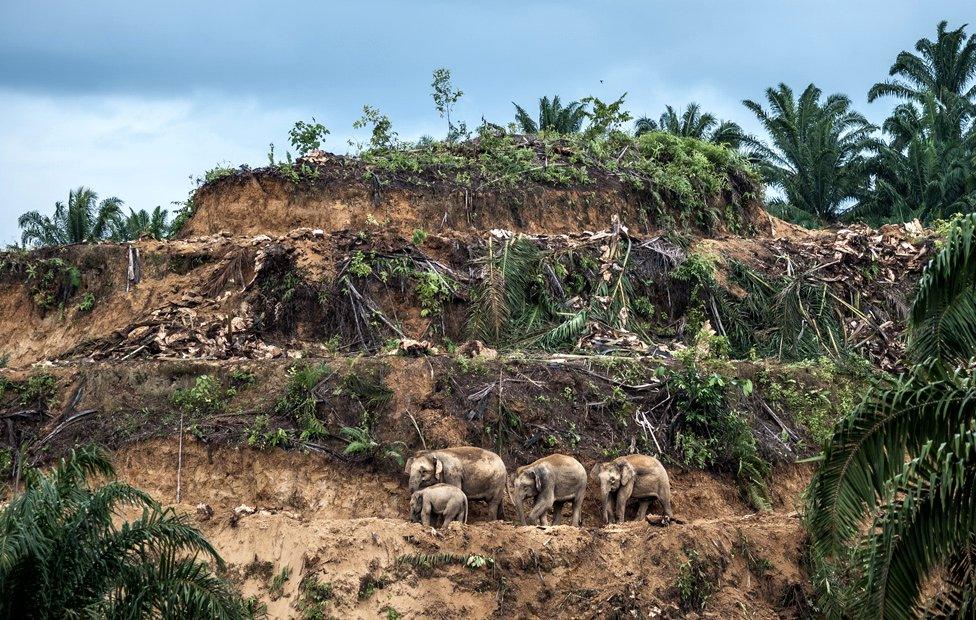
442 482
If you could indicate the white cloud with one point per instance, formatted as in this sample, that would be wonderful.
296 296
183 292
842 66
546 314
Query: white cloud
141 150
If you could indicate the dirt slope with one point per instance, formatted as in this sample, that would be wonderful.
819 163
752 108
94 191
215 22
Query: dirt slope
348 532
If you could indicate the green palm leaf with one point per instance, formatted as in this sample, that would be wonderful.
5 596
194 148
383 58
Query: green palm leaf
942 317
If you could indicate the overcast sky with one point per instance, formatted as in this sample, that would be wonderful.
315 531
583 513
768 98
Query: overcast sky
133 98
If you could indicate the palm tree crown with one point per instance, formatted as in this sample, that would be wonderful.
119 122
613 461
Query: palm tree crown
82 219
816 153
943 67
553 116
694 123
64 554
139 223
926 168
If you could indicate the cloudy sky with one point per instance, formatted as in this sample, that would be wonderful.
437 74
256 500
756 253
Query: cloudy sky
133 99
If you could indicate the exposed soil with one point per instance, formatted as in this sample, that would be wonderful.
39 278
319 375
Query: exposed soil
250 304
345 527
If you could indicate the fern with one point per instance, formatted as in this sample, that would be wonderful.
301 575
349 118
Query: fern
428 560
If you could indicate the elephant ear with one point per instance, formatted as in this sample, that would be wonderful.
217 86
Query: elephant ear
597 469
406 468
542 479
438 470
627 473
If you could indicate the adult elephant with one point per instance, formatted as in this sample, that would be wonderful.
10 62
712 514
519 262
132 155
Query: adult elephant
634 476
478 472
550 483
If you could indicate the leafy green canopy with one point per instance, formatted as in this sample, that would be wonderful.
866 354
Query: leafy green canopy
902 462
64 553
84 219
816 149
926 168
693 123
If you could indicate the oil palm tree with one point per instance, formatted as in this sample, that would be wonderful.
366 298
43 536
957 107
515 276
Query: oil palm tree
926 168
893 504
65 554
139 223
82 219
693 123
553 116
944 67
817 149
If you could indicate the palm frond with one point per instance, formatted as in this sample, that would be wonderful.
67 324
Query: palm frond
942 323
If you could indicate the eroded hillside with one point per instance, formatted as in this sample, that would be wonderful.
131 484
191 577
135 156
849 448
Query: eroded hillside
362 309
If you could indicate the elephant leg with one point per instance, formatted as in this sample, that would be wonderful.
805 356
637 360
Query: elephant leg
425 515
622 507
450 515
578 507
495 508
642 508
557 512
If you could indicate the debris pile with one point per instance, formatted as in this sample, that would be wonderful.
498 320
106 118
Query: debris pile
870 273
604 292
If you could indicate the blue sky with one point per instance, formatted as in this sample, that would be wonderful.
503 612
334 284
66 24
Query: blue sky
134 98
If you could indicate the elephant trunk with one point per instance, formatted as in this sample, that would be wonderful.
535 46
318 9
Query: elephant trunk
414 482
606 496
518 499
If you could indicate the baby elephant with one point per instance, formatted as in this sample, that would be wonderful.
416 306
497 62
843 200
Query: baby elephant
551 482
633 476
439 499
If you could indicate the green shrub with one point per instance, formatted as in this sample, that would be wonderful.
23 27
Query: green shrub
52 282
697 581
711 433
206 397
314 597
299 401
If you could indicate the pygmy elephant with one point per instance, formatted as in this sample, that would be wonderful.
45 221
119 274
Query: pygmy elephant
633 476
478 472
440 499
551 482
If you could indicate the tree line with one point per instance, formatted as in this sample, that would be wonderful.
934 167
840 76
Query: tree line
824 160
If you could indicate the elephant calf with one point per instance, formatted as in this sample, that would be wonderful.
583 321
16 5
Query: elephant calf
439 499
633 476
478 472
551 482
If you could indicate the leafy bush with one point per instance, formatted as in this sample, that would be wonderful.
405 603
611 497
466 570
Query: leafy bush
87 302
52 282
206 397
360 442
711 433
313 598
305 137
697 581
299 401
